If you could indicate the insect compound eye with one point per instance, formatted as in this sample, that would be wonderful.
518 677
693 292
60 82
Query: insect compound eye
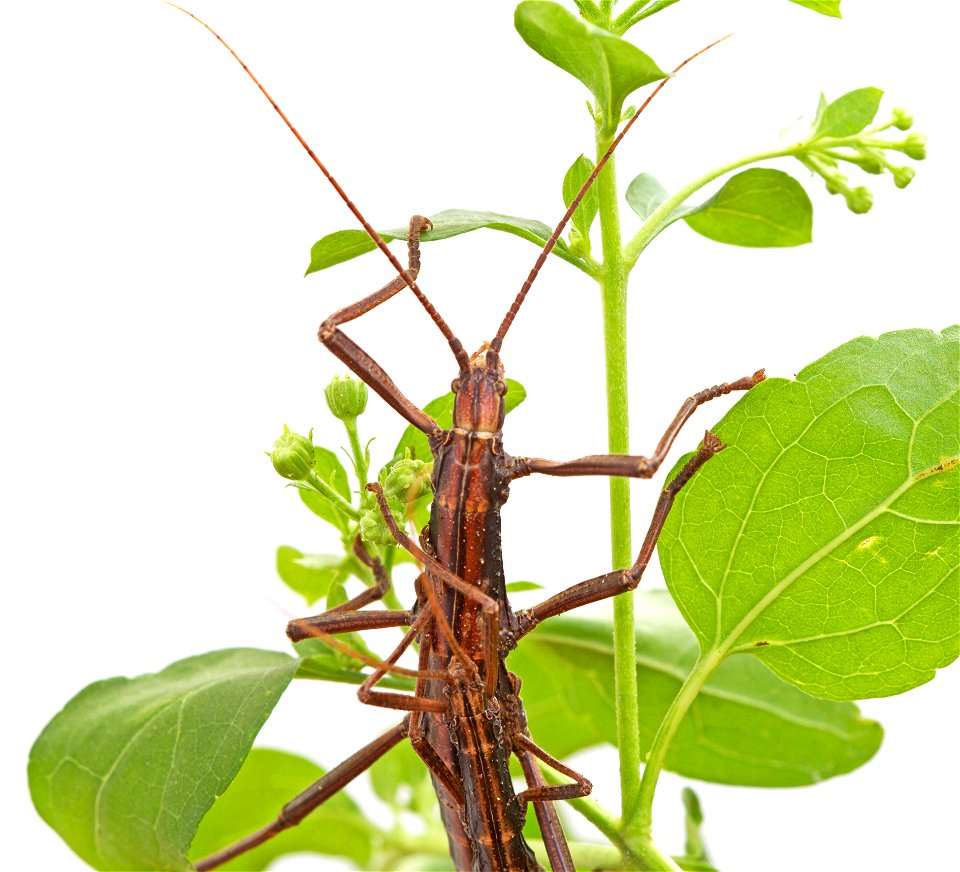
455 385
501 387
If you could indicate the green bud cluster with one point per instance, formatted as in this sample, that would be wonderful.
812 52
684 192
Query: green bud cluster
346 397
868 153
292 455
407 481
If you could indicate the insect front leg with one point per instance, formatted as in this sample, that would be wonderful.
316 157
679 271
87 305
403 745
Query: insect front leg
631 466
362 363
622 580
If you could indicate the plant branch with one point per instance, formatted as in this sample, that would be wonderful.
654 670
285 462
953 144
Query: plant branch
660 218
640 827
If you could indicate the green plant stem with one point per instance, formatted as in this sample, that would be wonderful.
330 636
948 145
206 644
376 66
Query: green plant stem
658 218
642 826
315 483
613 285
356 449
593 812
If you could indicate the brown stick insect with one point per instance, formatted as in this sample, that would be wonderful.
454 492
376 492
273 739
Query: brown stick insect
465 718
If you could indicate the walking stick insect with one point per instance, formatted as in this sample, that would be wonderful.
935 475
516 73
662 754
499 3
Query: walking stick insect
465 717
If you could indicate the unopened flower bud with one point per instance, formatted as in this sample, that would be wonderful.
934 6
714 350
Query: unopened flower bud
902 176
346 397
407 480
292 454
373 528
915 146
902 119
859 200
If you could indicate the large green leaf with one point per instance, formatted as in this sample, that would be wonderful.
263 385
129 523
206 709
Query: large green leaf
441 410
830 8
849 114
747 726
826 538
129 767
268 780
758 208
609 66
345 245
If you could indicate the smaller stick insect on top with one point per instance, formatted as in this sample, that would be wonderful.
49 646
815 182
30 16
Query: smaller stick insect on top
465 717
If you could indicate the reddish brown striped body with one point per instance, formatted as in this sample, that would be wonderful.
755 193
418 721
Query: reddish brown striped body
470 486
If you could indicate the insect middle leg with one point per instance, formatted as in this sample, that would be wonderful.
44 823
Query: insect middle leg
622 580
629 465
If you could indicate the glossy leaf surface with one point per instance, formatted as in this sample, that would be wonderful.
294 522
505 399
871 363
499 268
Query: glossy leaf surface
129 767
746 726
266 782
826 538
848 114
758 208
344 245
609 66
310 575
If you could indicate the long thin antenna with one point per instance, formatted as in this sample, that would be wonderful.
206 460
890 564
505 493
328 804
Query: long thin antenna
458 351
552 241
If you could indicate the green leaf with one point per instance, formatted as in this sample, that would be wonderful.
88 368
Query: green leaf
347 244
758 208
746 726
849 114
573 181
695 851
441 410
826 538
266 782
609 66
328 468
397 777
310 575
645 194
830 8
129 767
520 586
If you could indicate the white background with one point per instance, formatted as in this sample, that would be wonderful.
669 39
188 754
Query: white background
157 331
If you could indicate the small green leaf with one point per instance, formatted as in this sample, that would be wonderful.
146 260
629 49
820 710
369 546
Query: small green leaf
573 181
266 782
338 247
849 114
129 767
826 539
830 8
310 575
329 469
346 244
758 208
645 194
746 726
520 586
609 66
397 777
695 851
441 410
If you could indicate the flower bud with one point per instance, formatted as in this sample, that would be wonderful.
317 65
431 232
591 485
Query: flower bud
373 528
915 146
859 200
346 397
292 454
407 481
902 176
902 119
